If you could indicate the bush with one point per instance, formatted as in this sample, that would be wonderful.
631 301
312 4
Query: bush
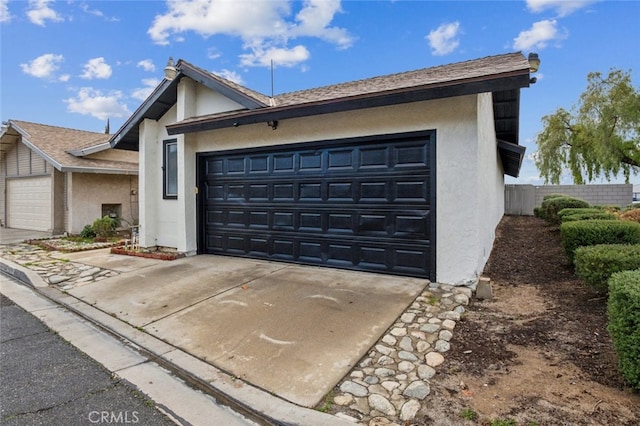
601 215
105 227
550 196
88 232
592 232
631 215
624 323
551 207
575 210
595 264
537 212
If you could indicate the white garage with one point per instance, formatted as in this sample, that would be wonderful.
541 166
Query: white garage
29 203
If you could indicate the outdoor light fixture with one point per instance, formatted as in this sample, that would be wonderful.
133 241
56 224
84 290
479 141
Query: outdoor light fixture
170 70
273 124
534 62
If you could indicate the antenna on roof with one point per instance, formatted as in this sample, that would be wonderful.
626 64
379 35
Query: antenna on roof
272 78
106 128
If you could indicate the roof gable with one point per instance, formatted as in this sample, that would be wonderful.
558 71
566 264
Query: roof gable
61 146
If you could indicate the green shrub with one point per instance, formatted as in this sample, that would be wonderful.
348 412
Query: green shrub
595 264
632 206
575 210
551 207
592 232
105 227
537 212
550 196
88 232
601 215
624 323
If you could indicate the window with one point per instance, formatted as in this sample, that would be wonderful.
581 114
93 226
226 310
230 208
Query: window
170 170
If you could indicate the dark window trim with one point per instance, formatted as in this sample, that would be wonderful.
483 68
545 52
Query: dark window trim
165 168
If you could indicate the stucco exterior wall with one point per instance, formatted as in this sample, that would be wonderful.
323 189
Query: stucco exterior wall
88 192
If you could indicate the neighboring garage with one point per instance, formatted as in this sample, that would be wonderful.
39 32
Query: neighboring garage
358 203
29 203
54 179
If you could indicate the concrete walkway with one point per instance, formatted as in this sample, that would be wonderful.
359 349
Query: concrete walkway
13 236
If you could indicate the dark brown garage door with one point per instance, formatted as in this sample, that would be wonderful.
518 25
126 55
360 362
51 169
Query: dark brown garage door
365 204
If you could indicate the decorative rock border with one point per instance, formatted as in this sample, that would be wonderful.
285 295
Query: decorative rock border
393 378
147 254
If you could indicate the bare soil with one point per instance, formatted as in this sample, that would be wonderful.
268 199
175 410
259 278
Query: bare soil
539 352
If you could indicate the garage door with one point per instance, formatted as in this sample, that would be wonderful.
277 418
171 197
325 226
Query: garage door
364 204
29 203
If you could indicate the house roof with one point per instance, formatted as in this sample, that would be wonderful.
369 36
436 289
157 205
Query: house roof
503 75
64 148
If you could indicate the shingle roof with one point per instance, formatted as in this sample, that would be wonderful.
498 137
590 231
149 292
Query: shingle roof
477 68
53 143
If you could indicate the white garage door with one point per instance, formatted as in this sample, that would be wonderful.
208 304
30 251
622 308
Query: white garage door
29 203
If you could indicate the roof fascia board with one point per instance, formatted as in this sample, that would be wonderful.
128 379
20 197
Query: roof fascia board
25 140
218 86
511 168
108 171
514 80
139 114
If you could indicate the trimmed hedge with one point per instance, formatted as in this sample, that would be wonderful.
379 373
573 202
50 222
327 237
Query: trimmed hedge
596 264
550 196
623 310
551 206
601 215
577 210
592 232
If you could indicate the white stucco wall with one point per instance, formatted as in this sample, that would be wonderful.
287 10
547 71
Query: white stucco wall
87 192
469 178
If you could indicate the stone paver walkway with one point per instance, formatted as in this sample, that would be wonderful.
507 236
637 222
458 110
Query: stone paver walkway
387 387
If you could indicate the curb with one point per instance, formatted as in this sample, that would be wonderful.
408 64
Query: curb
244 398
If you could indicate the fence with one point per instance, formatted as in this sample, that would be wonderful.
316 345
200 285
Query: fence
521 199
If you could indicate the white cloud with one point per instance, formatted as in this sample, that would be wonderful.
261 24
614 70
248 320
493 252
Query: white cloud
263 26
540 34
147 65
43 66
39 12
89 101
561 7
97 12
142 93
64 78
230 75
444 39
213 53
5 15
281 56
96 68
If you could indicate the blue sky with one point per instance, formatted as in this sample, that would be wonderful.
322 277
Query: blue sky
76 63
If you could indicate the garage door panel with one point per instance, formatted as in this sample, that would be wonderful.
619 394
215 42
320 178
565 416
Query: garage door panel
29 203
364 205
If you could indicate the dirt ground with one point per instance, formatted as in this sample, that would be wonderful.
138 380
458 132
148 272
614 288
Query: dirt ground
538 353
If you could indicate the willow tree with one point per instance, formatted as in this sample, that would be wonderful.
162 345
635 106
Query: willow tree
600 137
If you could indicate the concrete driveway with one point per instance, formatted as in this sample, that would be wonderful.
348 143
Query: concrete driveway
13 235
289 329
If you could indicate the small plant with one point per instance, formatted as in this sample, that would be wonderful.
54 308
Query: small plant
105 227
501 422
327 403
468 414
88 232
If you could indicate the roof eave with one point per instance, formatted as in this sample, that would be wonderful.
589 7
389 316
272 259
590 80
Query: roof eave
511 155
135 119
25 140
90 150
516 79
99 170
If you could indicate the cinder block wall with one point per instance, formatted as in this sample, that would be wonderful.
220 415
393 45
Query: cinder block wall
521 199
